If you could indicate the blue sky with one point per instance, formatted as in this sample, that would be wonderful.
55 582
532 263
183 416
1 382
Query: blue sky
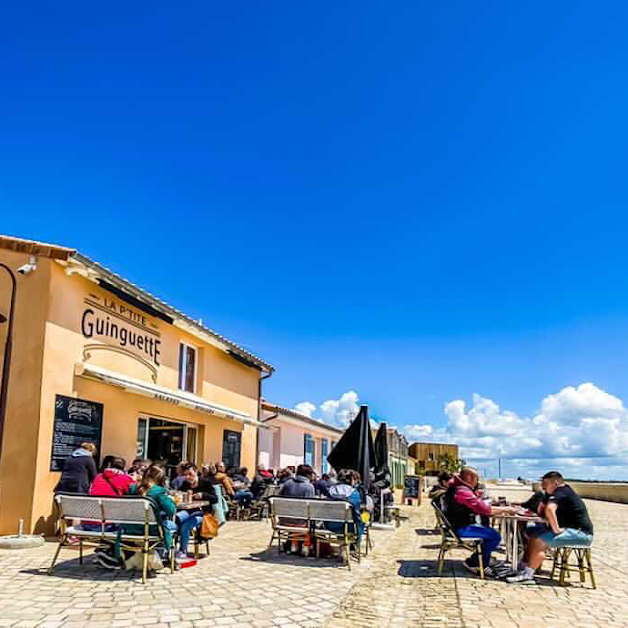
415 202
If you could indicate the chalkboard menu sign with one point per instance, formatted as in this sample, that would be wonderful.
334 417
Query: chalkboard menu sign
411 486
76 421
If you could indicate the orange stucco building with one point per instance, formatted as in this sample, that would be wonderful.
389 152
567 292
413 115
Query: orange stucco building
97 358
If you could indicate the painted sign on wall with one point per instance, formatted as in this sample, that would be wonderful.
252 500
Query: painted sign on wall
121 326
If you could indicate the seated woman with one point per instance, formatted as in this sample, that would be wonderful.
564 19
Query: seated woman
202 489
153 486
346 490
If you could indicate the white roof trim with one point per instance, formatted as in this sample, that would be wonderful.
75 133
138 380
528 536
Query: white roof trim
177 398
305 423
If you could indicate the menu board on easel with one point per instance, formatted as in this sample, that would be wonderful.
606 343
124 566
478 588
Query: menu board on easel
412 487
76 421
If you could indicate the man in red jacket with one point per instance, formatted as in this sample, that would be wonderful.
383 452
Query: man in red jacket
462 505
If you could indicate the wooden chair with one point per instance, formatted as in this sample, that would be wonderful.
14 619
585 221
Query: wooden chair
564 567
450 540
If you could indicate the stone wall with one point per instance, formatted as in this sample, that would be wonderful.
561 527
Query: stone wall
605 491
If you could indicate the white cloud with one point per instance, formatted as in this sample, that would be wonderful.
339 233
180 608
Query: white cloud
581 429
418 431
305 407
338 412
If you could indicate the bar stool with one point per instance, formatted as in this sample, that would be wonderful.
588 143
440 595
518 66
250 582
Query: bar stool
561 562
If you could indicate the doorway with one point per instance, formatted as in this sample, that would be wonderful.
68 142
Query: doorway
161 439
231 446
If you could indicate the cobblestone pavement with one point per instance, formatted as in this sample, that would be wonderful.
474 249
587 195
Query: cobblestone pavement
396 586
402 587
235 586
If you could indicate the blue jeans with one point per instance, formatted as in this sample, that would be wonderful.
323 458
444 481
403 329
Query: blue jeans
187 522
491 540
243 496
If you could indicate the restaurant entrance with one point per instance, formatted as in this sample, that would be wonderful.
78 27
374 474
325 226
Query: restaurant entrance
170 441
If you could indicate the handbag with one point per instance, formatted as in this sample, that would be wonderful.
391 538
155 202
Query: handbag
209 526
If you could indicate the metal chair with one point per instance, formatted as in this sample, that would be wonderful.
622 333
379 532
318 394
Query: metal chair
107 511
259 507
332 511
450 540
198 541
368 541
290 518
561 563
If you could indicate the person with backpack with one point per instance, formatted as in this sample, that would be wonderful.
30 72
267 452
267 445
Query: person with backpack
346 490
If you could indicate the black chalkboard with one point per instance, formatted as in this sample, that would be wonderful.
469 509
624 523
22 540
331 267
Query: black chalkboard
76 421
411 486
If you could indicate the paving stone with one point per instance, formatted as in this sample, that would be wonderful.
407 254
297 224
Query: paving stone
396 586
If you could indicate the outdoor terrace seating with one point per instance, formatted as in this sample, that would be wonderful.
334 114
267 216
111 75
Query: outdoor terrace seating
295 519
107 512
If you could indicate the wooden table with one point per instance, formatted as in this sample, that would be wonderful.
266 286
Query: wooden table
511 527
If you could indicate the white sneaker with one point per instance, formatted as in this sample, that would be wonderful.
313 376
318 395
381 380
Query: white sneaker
525 577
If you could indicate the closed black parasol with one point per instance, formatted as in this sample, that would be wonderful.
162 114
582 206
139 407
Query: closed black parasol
355 448
381 449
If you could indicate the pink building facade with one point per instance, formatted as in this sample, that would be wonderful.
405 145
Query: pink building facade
286 437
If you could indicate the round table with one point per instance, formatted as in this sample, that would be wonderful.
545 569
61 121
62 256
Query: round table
511 527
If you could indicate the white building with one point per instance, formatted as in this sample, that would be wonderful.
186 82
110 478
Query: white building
287 437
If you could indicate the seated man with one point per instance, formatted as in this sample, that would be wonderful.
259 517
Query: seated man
438 490
322 486
241 485
461 505
532 503
222 478
568 523
298 486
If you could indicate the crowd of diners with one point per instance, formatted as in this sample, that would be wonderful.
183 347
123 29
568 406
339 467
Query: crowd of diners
470 510
212 484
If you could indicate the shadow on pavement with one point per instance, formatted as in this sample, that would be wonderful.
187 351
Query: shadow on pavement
420 569
298 561
73 570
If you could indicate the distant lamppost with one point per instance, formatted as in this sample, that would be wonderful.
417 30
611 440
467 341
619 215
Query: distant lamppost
6 366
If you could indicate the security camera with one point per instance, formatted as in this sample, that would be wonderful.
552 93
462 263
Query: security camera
28 268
